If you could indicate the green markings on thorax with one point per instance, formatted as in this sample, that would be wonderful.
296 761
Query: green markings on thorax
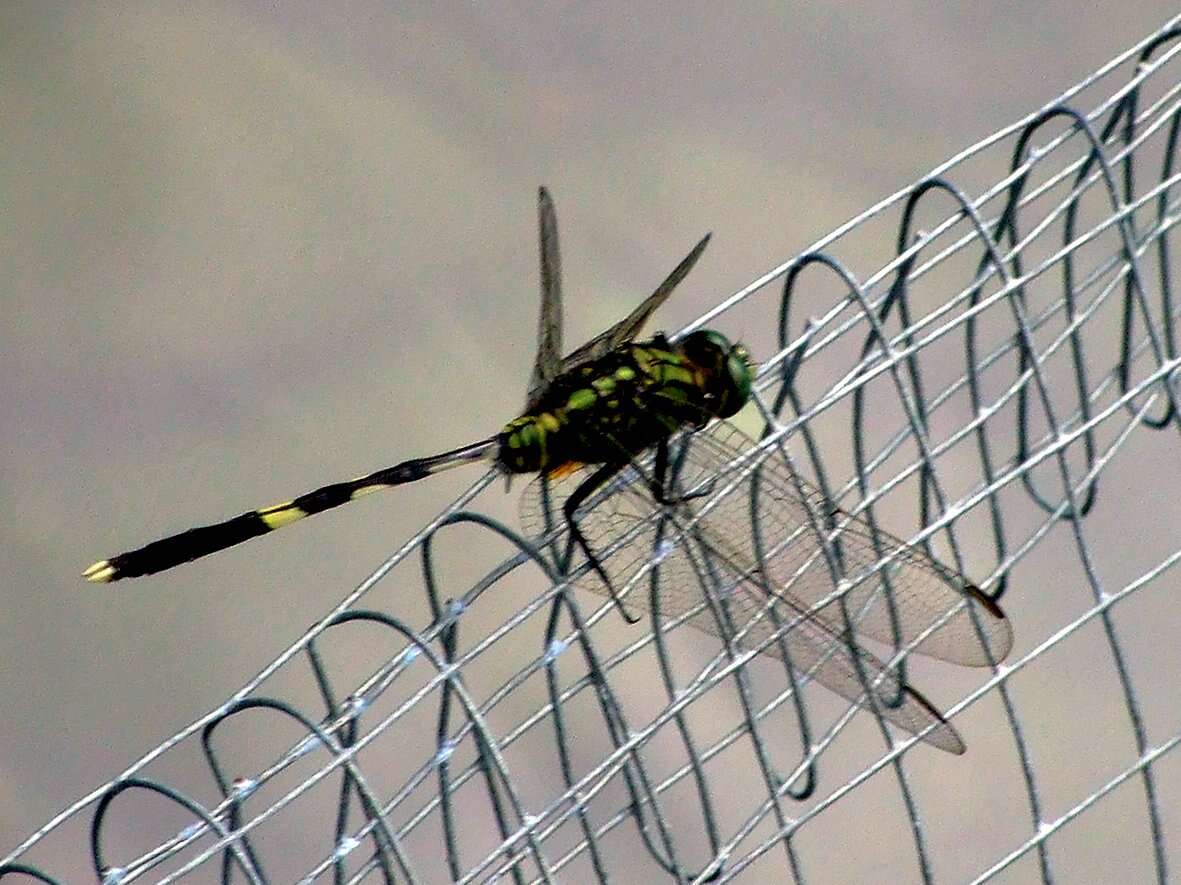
597 400
580 400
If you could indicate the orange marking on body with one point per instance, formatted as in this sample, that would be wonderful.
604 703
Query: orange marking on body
563 470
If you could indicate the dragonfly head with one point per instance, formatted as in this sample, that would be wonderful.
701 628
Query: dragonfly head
727 370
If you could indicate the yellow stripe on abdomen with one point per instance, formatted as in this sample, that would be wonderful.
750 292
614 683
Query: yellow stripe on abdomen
280 515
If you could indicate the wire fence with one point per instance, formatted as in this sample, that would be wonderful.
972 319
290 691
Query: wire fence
986 392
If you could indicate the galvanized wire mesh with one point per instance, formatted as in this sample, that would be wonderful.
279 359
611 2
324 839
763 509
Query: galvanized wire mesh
1013 342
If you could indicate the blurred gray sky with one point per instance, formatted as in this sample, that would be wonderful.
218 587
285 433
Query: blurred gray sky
247 248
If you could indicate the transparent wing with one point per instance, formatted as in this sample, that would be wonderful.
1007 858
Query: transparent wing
548 363
628 327
750 544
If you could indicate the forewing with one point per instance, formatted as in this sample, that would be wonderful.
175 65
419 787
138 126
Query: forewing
691 565
919 596
756 530
548 363
628 327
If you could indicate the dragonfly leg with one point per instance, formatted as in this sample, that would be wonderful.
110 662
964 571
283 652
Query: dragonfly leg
588 487
658 483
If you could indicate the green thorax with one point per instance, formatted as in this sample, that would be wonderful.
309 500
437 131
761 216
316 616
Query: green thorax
612 408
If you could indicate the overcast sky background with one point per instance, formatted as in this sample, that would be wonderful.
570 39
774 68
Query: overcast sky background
248 248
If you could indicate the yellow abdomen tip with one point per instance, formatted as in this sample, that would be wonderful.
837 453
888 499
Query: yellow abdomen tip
102 572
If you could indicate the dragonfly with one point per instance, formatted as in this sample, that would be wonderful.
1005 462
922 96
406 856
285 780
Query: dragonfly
615 427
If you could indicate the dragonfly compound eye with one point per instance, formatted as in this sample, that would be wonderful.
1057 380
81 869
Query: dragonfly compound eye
740 373
728 373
